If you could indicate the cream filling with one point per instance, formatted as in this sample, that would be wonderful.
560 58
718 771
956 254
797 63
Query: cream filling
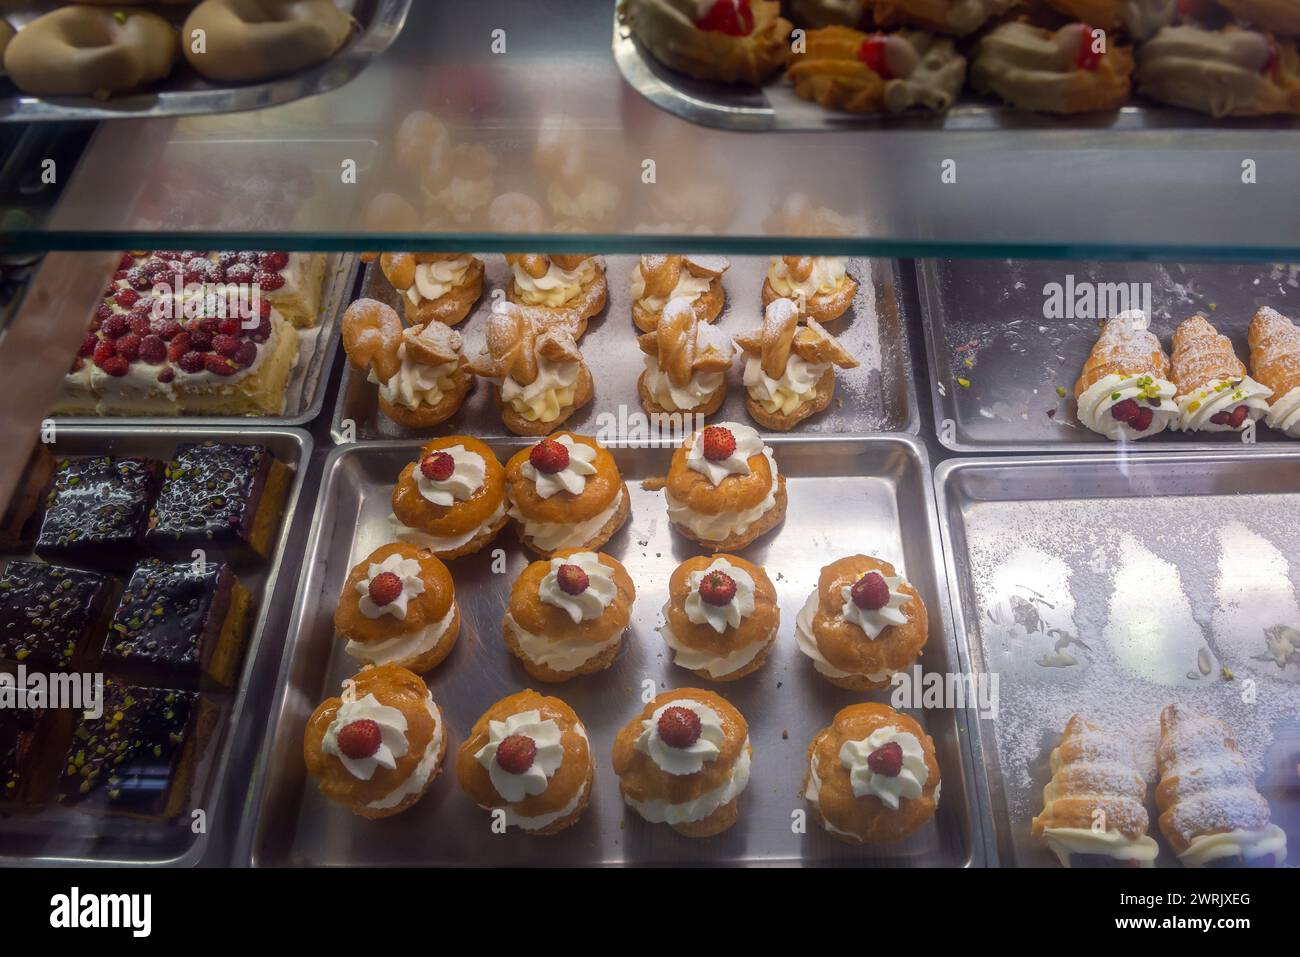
827 276
557 286
1095 405
665 812
807 642
423 771
434 543
401 647
687 287
416 385
434 280
552 536
1065 841
713 665
797 385
698 391
716 528
1249 844
556 654
1196 410
1284 413
543 398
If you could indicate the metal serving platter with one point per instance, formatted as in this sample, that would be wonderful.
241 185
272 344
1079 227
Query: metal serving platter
185 92
1113 585
775 106
984 322
59 836
878 396
305 395
846 495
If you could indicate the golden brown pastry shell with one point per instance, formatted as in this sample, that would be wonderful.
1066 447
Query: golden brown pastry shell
587 303
516 423
759 627
597 494
779 422
449 521
602 535
452 306
824 306
765 523
707 308
654 408
844 644
736 493
427 608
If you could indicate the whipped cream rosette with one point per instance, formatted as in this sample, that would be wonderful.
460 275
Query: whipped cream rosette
1125 391
686 363
452 499
695 281
434 287
561 289
721 616
819 285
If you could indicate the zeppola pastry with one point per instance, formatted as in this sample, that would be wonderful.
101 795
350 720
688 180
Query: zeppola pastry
845 69
820 285
1210 812
1275 16
727 41
1275 360
528 758
398 607
695 280
435 287
955 17
723 489
721 616
558 290
684 761
377 747
1228 72
789 369
567 616
1214 392
686 363
421 371
452 499
872 776
863 623
1124 391
248 40
566 493
1094 808
1138 18
1069 71
537 373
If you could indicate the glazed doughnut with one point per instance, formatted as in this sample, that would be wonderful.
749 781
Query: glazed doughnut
257 39
79 51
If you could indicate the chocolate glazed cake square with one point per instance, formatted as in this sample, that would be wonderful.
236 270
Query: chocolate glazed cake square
53 618
97 510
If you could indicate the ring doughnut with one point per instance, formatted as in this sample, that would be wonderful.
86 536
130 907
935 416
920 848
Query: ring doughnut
256 39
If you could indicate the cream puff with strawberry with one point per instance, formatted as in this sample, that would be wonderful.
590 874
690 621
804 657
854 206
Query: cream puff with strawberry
721 617
398 607
528 761
377 747
567 616
723 488
863 623
452 499
566 492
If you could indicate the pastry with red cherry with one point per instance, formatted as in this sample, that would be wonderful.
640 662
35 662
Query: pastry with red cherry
721 617
726 41
1075 69
452 499
1228 72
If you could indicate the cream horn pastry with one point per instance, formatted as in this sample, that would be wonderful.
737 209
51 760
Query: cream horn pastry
721 617
954 17
566 493
421 371
452 499
1214 392
820 285
845 69
695 280
726 41
1094 807
528 757
789 369
872 776
723 488
537 373
1228 72
686 363
1124 391
563 290
1275 360
1274 16
1063 72
435 287
377 747
1210 812
684 761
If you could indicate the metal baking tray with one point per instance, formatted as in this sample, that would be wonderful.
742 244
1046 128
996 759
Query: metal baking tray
305 395
186 93
878 396
1152 574
984 322
774 106
846 495
60 836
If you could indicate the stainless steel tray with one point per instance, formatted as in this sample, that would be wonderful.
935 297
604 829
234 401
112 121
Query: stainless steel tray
185 92
984 323
1152 573
878 396
305 395
59 836
775 106
846 494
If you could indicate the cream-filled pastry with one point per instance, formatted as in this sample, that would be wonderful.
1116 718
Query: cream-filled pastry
1137 18
789 369
954 17
528 758
684 761
398 607
694 280
1124 391
862 624
845 69
421 371
452 499
537 373
1275 360
459 184
566 493
1275 16
562 290
721 616
723 489
820 285
872 776
435 287
377 747
1067 71
1228 72
1214 392
727 41
686 363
